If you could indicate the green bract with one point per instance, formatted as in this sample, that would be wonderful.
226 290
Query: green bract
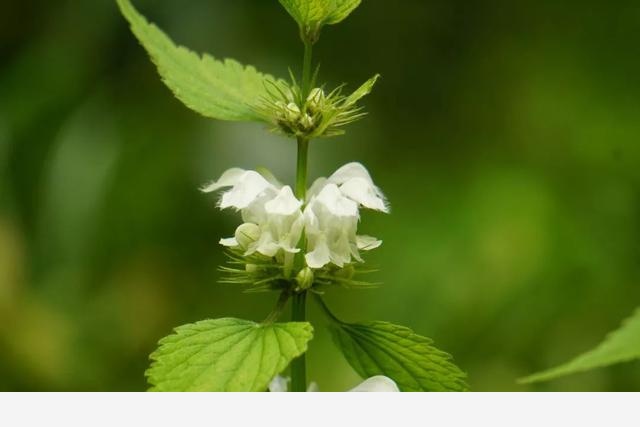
318 115
224 90
364 90
226 355
311 15
381 348
622 345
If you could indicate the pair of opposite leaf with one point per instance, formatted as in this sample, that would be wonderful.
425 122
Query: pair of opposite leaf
240 355
228 90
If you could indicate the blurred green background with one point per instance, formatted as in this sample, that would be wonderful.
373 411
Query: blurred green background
506 136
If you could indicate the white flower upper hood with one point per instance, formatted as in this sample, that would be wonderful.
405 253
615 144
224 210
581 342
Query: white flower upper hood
275 220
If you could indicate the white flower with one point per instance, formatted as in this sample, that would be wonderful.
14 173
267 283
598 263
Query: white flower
332 215
279 384
275 220
379 383
246 186
356 183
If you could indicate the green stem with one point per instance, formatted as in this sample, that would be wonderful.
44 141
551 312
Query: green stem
299 365
298 306
298 309
306 70
301 170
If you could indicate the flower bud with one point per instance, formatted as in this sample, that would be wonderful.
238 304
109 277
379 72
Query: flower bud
315 100
246 234
306 121
304 278
292 112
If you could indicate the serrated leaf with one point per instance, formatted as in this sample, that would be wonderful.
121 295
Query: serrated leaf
411 360
226 355
621 345
361 92
315 13
224 90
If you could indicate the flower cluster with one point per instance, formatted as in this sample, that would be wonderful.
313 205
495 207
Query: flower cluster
320 230
319 114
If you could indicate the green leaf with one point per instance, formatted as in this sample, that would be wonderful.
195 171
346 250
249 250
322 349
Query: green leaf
226 355
224 90
361 92
311 15
381 348
622 345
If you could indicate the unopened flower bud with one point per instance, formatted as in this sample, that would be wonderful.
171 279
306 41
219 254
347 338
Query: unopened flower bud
305 278
292 112
306 121
316 96
246 234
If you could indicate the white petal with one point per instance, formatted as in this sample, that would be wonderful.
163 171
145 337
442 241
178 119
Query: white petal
367 243
290 240
279 384
266 245
319 256
266 173
335 202
350 171
379 383
255 212
229 242
228 179
365 193
315 188
285 203
311 222
340 250
247 188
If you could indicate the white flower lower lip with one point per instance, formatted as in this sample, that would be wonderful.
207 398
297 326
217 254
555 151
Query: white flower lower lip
276 221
